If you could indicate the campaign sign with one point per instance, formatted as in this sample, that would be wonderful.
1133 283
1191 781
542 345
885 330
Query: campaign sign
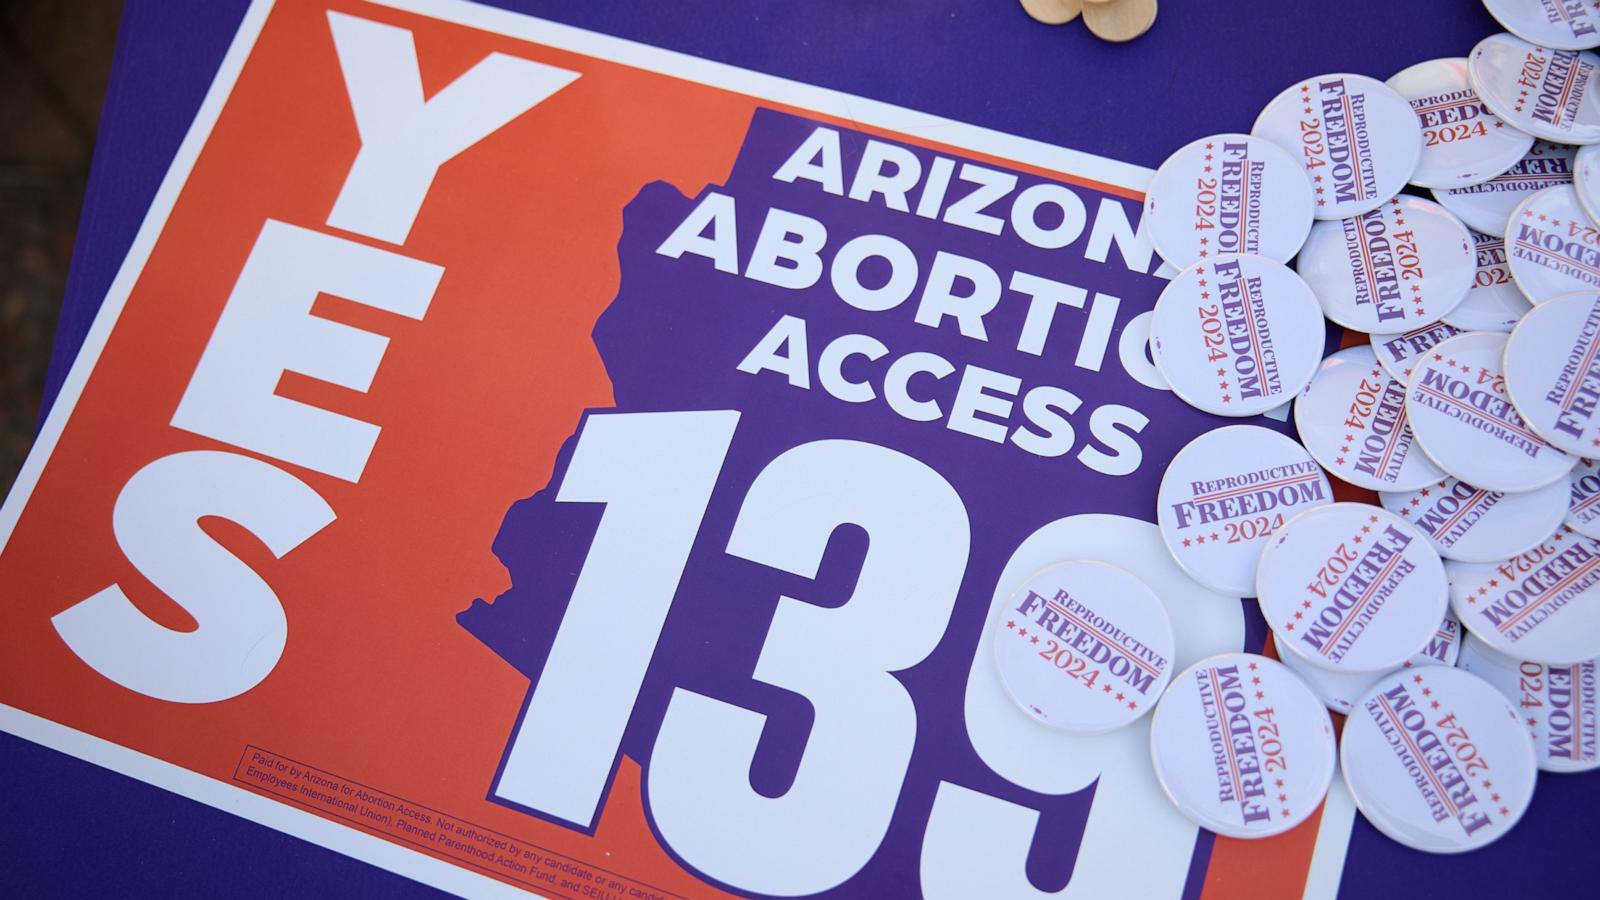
529 460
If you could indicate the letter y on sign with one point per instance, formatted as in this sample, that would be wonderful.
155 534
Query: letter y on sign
405 138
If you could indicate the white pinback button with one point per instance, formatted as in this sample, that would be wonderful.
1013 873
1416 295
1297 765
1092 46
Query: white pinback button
1225 492
1085 647
1462 141
1543 605
1473 525
1241 746
1236 335
1552 372
1547 93
1352 419
1351 587
1400 266
1358 140
1339 690
1487 207
1583 512
1562 24
1458 409
1495 303
1438 760
1586 180
1551 246
1395 351
1445 645
1557 703
1228 193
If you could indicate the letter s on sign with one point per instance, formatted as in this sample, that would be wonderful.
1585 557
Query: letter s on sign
241 623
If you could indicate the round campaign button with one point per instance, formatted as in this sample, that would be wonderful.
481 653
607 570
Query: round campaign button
1495 303
1551 246
1228 193
1339 690
1437 759
1557 703
1543 605
1085 647
1458 408
1395 351
1552 369
1487 207
1351 587
1225 492
1358 140
1462 141
1236 335
1241 746
1583 512
1352 418
1548 93
1562 24
1474 525
1402 265
1586 180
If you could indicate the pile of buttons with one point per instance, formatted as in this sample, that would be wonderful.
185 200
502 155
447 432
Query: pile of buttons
1456 620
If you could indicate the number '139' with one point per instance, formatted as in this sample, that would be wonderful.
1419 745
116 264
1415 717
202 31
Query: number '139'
655 473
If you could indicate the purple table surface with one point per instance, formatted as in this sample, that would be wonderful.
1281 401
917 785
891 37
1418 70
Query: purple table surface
72 829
